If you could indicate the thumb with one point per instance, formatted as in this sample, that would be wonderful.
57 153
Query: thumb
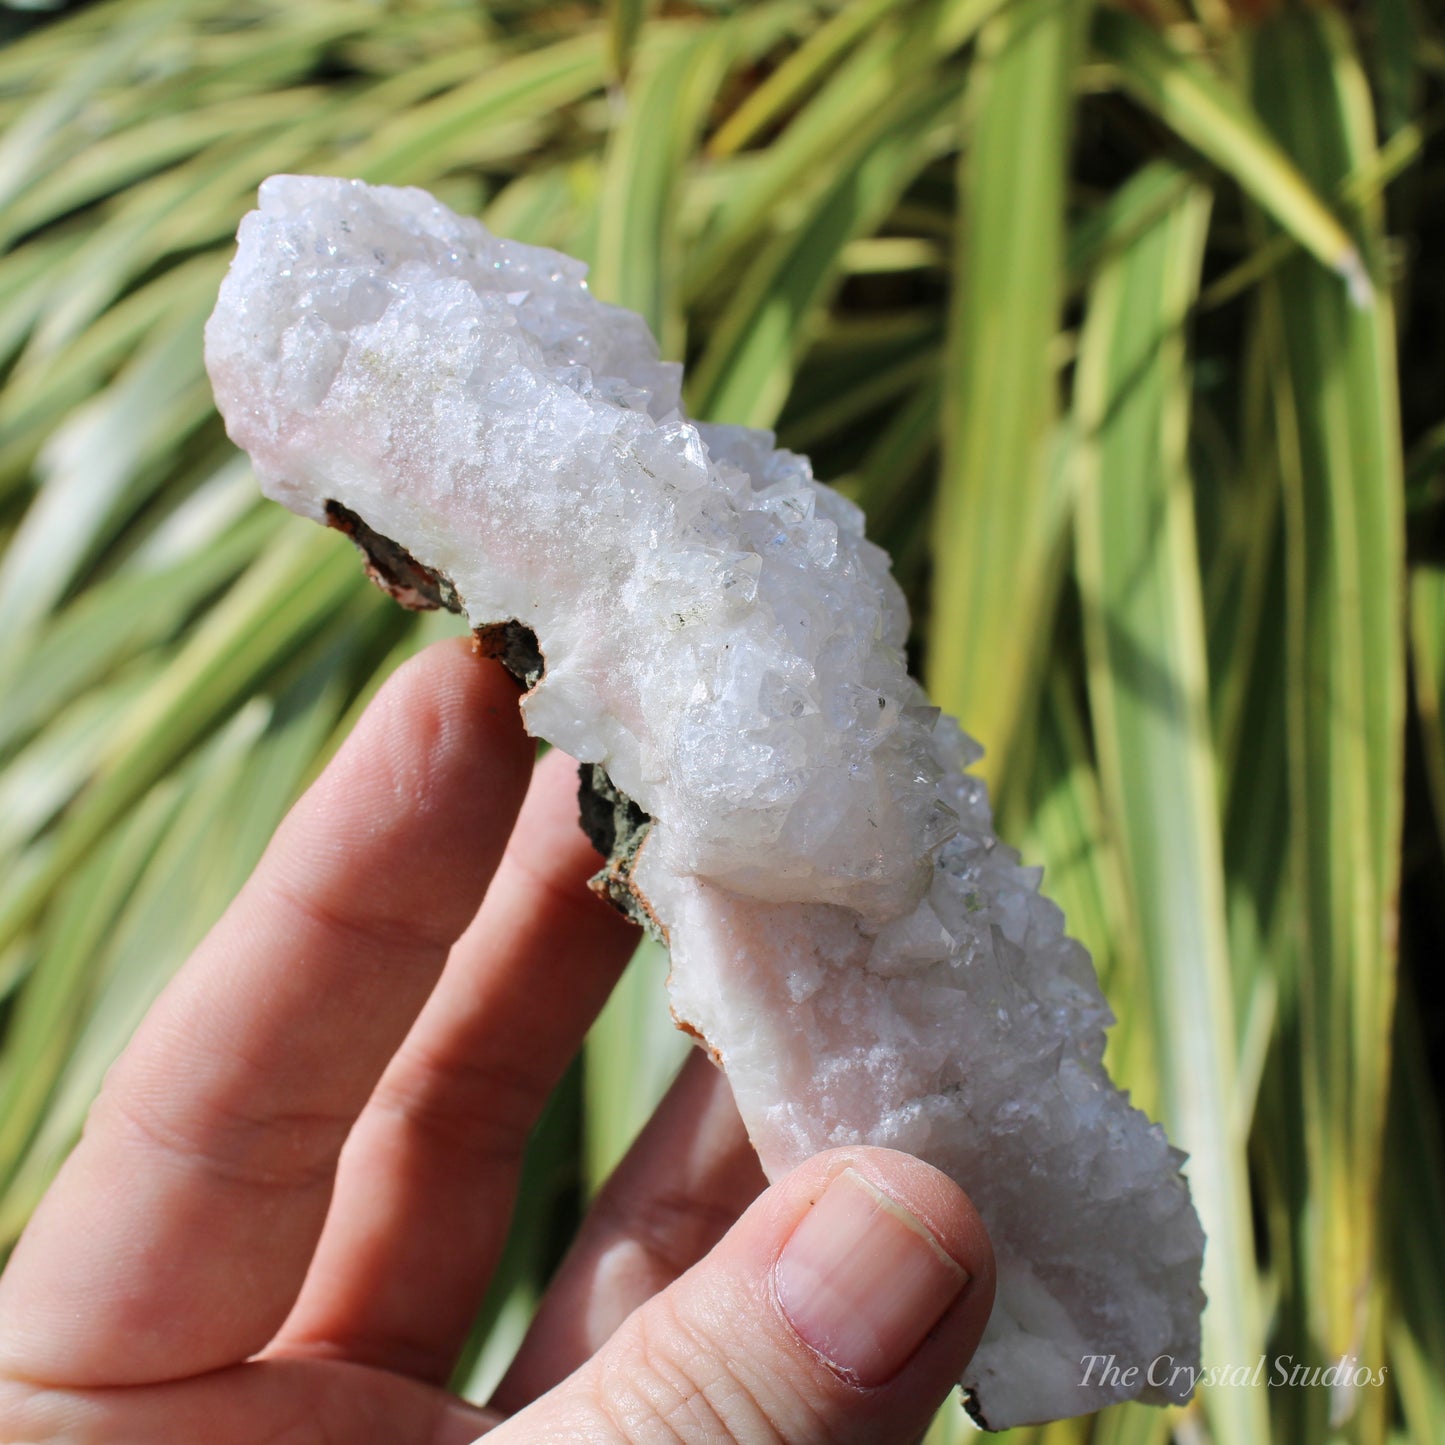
842 1306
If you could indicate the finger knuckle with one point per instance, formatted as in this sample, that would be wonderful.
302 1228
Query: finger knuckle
477 1106
286 1149
379 928
673 1228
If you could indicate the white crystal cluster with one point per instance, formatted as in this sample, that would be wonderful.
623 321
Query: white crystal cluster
855 946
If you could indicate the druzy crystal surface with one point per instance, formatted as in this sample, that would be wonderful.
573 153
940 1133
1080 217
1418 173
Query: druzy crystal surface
848 936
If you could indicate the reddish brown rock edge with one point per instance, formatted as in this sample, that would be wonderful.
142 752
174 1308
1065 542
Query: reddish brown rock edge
393 568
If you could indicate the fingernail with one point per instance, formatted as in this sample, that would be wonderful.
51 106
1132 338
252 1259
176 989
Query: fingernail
863 1282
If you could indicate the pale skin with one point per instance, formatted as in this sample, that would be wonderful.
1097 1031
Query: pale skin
295 1186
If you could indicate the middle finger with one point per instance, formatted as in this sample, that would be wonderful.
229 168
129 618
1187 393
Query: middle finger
427 1179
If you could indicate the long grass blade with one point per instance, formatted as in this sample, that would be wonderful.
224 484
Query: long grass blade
996 552
1148 691
1336 393
525 86
624 25
799 75
1217 121
860 103
94 472
32 141
746 371
637 262
277 605
51 1006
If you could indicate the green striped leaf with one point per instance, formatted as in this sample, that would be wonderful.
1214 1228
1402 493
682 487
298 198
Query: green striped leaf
1059 820
1198 104
97 469
840 125
745 372
1335 390
527 86
1148 692
34 141
123 158
800 74
637 262
278 604
624 25
996 552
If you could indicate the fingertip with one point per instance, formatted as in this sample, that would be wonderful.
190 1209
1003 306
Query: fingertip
462 698
440 747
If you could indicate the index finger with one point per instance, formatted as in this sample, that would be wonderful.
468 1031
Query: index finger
177 1235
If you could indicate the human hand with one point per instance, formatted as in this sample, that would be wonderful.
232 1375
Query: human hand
297 1180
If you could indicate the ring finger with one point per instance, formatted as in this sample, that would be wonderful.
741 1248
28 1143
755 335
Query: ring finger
682 1186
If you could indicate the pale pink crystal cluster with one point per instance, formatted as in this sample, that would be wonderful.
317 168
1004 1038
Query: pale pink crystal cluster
856 947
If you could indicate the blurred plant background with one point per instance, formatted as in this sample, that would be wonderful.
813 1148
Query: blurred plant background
1123 321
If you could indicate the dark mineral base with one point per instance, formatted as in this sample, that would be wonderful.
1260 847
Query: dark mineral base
616 826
